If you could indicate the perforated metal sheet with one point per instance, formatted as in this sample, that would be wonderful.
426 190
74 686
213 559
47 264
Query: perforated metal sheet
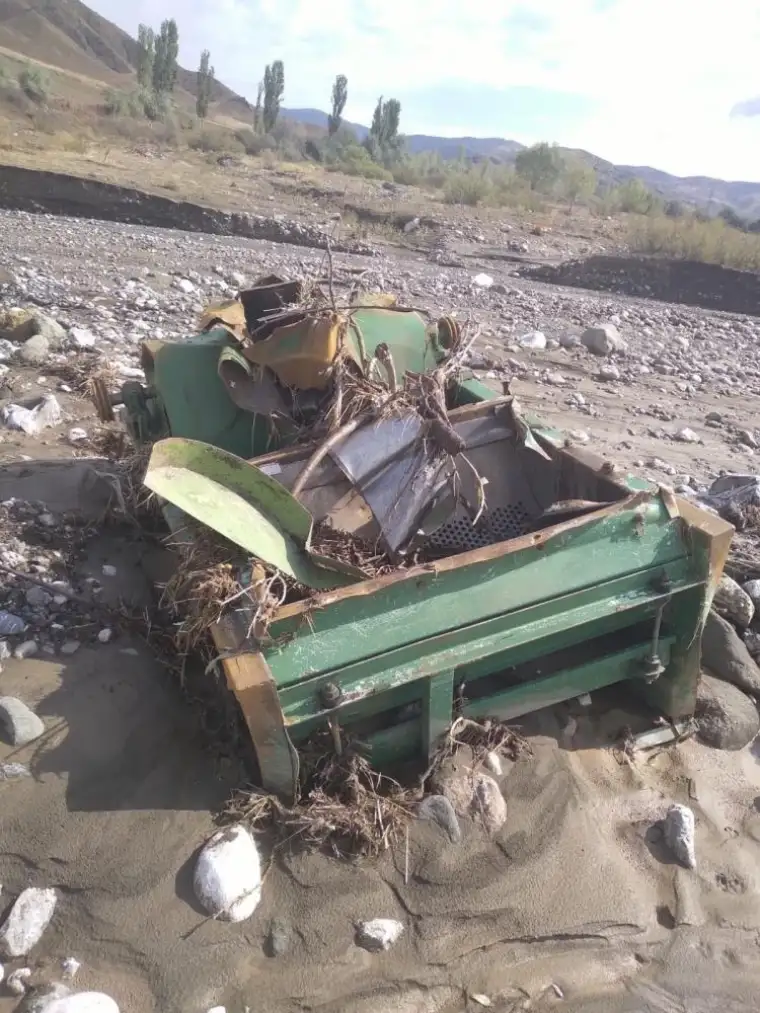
500 524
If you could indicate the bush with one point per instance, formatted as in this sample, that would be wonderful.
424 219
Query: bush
214 139
711 242
674 209
634 197
34 84
467 187
253 143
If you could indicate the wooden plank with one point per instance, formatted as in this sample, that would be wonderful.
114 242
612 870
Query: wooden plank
249 679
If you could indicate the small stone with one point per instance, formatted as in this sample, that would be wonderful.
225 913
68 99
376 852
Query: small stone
493 763
679 830
10 771
609 372
686 435
184 285
533 339
25 650
21 724
438 809
38 597
378 934
70 647
278 939
105 636
748 439
752 588
482 280
569 340
726 718
80 337
488 804
603 340
77 435
5 651
35 351
555 379
16 982
47 520
10 625
70 966
108 570
579 436
27 921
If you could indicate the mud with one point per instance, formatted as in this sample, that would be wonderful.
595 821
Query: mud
56 193
677 281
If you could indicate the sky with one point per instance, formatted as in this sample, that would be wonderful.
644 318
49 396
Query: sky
674 84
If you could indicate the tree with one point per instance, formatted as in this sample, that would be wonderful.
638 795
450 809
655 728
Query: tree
339 97
578 181
166 53
205 84
384 141
257 109
145 56
274 88
540 165
633 196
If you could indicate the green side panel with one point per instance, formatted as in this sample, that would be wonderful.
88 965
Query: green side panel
242 503
405 333
428 602
195 400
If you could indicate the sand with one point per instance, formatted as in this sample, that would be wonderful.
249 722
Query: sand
574 905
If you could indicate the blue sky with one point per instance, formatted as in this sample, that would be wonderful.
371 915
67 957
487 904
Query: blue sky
670 83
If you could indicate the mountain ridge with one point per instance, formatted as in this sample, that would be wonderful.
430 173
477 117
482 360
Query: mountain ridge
69 35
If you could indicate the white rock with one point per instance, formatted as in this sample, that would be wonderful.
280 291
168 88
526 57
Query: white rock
237 280
412 225
482 280
25 650
109 571
33 420
488 804
29 917
569 340
533 339
70 967
77 435
10 625
609 372
218 1009
80 337
227 877
733 602
492 763
686 435
105 636
378 934
61 1000
603 340
16 983
752 588
2 972
184 285
679 829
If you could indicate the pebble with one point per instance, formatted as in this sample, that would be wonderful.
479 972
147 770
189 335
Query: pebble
105 636
26 650
70 966
81 337
488 804
686 435
533 339
77 435
17 980
29 917
10 624
20 723
227 877
482 280
679 829
185 285
109 571
603 340
378 934
278 940
609 372
438 809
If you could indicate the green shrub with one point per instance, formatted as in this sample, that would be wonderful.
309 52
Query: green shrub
467 187
688 238
34 84
253 143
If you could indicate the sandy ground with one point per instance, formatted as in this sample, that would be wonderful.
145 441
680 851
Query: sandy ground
575 896
574 905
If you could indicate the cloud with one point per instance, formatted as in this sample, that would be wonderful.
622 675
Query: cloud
749 107
635 81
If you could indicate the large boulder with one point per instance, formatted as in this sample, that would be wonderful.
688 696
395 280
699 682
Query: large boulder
603 340
726 718
726 656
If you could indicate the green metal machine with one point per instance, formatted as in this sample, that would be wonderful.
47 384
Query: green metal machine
574 578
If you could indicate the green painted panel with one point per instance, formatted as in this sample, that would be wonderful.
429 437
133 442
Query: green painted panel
503 641
426 603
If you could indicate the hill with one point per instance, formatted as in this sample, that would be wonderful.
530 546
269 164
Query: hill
69 35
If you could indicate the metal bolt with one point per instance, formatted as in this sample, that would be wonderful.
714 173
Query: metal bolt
330 695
